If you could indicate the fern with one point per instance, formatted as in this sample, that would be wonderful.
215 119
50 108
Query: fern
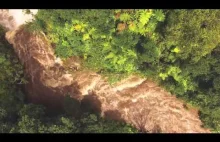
145 17
125 17
159 15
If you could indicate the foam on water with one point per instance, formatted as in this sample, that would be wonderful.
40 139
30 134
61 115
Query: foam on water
18 17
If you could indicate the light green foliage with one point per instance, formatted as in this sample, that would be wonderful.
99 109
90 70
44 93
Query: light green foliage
18 117
178 48
104 40
181 52
183 83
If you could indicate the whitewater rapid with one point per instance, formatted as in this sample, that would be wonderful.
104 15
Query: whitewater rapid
13 18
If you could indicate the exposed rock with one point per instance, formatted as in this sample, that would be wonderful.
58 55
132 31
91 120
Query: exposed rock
134 100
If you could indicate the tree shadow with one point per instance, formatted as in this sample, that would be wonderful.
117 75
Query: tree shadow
113 115
91 103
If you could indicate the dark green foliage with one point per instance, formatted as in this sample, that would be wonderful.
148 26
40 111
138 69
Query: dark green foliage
95 124
11 74
191 44
106 39
71 106
34 111
16 116
11 70
87 123
193 33
182 52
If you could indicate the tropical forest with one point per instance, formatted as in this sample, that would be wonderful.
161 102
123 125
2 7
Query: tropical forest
109 71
